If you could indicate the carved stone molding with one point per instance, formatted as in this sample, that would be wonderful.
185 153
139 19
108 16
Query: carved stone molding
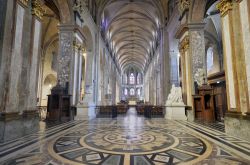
76 45
224 6
37 9
184 44
80 6
24 2
183 5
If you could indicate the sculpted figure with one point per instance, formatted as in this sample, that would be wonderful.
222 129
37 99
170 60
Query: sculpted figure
175 96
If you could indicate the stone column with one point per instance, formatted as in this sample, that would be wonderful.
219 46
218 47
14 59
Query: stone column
234 54
75 76
244 8
19 55
186 71
89 78
12 102
192 49
66 51
197 51
80 71
164 67
235 30
37 12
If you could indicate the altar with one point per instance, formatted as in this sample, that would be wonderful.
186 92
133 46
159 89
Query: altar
132 103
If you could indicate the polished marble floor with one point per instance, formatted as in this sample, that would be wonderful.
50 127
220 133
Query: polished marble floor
129 139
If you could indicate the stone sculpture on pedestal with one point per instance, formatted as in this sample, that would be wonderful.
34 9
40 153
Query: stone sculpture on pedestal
175 107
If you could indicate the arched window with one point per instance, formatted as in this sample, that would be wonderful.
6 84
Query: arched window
139 79
125 79
125 91
210 58
139 92
132 92
132 78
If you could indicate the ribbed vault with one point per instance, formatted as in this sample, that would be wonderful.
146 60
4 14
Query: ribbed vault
131 28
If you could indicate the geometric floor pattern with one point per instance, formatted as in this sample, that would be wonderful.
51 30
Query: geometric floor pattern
130 139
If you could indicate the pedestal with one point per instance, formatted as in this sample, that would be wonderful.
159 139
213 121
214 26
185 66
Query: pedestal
175 112
15 125
85 111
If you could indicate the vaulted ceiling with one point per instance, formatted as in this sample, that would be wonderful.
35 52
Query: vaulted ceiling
131 28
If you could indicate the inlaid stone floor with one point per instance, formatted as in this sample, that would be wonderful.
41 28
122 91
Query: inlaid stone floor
130 139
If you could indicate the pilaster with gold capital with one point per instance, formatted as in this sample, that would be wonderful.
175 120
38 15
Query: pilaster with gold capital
37 9
224 6
24 2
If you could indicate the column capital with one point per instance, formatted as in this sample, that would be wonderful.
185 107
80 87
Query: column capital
76 45
184 44
183 5
224 6
24 2
37 9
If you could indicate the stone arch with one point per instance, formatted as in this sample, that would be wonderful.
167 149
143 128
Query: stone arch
196 10
48 83
65 10
89 42
89 59
50 80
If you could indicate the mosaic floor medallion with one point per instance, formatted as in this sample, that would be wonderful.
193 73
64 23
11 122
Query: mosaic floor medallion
119 144
126 140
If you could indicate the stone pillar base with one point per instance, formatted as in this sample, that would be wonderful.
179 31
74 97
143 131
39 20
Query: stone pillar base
14 125
85 111
190 114
175 112
237 125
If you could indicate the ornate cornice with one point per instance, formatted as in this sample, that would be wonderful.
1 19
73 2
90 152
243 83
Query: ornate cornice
37 9
79 47
80 6
25 2
183 5
184 44
76 45
224 6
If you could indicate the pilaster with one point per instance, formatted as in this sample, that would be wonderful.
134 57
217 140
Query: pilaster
234 55
35 55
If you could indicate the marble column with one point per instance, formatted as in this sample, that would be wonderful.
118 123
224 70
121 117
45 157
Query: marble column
89 73
197 50
183 75
35 58
12 102
244 8
80 71
66 51
235 30
165 63
18 117
192 49
186 71
235 54
75 78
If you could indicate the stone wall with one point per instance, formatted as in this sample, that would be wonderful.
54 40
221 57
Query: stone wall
238 125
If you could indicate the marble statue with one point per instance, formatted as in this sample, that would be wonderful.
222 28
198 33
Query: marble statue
175 96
